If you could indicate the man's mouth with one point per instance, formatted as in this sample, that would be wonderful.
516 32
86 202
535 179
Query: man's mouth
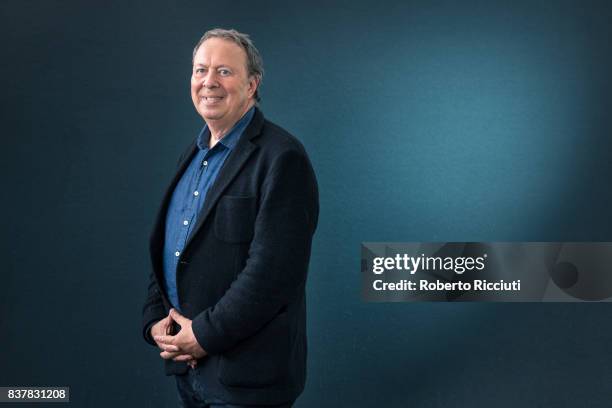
211 99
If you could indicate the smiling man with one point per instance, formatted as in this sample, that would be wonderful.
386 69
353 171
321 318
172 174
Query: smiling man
231 244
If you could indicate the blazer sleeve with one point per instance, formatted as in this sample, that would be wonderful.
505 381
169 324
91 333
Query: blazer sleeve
153 310
276 268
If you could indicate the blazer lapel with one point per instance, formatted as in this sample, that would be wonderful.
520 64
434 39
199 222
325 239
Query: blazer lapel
234 162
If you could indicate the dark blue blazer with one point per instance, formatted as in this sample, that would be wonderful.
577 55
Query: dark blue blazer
242 274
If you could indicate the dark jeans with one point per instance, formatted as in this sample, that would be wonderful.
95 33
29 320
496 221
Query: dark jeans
192 394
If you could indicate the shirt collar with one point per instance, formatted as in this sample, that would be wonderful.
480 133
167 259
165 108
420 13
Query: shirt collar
229 140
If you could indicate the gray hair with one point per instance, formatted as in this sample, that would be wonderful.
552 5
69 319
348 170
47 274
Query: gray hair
254 61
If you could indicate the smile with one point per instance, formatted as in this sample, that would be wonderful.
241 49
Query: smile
211 99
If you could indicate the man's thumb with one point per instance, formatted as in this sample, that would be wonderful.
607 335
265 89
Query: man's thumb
176 316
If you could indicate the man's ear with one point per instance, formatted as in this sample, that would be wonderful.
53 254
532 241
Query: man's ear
253 84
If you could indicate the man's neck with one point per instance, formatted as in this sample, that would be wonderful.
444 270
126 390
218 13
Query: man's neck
218 131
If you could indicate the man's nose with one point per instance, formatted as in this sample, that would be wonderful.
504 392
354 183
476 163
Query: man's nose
210 80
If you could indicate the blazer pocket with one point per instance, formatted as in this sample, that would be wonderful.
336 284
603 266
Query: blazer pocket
262 360
235 219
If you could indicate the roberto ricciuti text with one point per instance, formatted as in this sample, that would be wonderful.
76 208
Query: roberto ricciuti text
438 285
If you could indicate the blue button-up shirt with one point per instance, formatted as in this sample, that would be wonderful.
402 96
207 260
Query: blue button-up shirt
190 194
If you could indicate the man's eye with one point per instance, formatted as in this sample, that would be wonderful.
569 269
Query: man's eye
199 70
224 72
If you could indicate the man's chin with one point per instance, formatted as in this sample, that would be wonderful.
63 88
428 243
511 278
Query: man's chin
209 114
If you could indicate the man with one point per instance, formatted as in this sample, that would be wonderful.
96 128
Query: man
231 244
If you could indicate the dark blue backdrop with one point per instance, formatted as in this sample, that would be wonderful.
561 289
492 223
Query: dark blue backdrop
425 121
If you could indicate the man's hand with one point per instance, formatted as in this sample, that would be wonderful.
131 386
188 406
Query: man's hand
181 347
161 328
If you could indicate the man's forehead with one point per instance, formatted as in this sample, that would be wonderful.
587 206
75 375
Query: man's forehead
219 48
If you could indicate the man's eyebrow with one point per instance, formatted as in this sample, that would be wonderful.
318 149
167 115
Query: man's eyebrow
197 64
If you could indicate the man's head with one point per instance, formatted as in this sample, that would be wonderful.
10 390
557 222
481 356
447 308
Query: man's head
227 70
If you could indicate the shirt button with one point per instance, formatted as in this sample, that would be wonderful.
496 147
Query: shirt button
196 193
185 222
205 163
177 253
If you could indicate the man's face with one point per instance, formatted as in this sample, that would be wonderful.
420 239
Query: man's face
221 89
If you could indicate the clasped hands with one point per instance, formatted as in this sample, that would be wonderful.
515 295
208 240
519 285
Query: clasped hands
183 346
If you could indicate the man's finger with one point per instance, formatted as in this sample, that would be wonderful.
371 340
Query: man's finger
164 339
167 355
161 327
177 317
169 322
168 347
184 357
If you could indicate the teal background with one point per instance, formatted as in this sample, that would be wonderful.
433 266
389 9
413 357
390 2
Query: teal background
425 121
